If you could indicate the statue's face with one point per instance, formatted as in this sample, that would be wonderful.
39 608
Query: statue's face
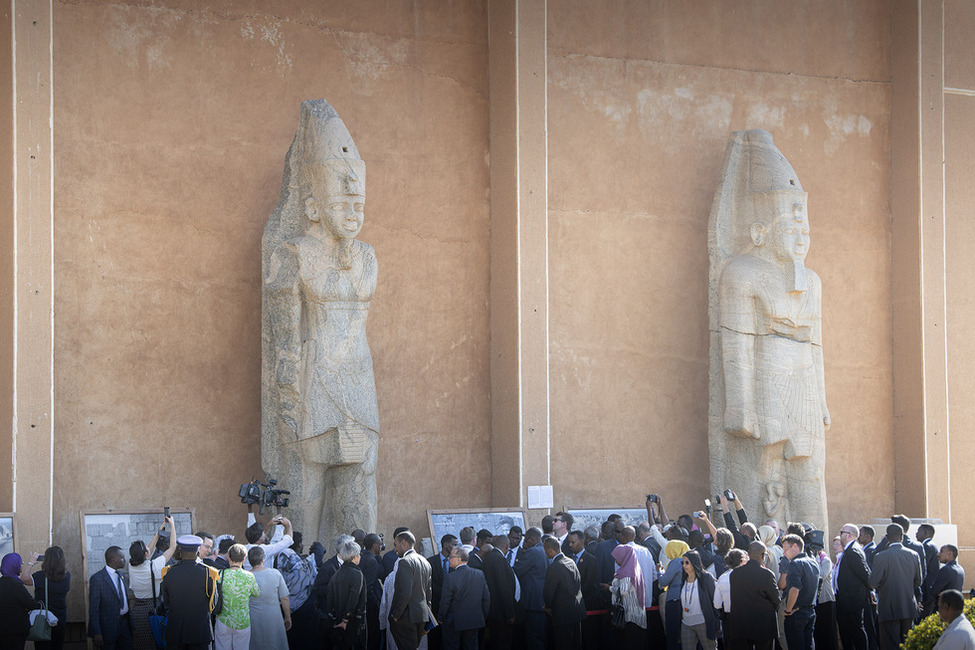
342 214
790 236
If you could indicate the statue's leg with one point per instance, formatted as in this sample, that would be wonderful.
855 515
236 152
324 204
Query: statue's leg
807 494
350 491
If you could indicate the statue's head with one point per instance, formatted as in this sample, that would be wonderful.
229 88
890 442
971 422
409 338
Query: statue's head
783 228
332 175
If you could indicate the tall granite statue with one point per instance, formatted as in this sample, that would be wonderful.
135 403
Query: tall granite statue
320 420
767 411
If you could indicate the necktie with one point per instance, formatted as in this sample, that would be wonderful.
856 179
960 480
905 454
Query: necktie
121 592
446 566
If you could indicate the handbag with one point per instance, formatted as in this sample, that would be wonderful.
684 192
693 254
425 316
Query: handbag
40 629
159 617
617 615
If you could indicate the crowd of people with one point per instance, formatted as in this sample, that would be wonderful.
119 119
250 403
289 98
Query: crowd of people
661 583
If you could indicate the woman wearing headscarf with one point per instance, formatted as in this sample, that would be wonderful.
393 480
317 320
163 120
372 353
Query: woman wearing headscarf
699 622
628 589
671 580
15 603
51 585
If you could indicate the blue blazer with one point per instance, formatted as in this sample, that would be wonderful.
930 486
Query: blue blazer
465 600
530 568
103 606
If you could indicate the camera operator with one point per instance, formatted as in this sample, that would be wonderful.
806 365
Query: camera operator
257 536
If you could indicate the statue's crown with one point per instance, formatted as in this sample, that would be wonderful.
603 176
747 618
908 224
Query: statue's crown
327 148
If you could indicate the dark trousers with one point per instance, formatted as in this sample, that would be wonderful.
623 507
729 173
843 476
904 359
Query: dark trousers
870 625
373 633
751 644
590 633
124 640
799 628
304 627
672 624
406 635
535 624
459 639
824 631
853 636
892 633
435 637
567 636
499 633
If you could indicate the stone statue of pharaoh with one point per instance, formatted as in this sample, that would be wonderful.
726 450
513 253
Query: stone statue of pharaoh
770 324
317 285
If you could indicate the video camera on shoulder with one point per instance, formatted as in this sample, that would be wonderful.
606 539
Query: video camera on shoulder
266 494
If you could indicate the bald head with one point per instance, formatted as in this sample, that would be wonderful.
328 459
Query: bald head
756 551
627 535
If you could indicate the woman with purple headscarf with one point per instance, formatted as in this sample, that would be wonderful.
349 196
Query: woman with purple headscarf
15 602
628 589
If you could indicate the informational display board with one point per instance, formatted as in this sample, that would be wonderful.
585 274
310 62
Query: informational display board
101 530
498 520
585 517
6 533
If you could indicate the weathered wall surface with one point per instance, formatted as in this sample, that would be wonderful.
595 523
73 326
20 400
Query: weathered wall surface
171 126
642 96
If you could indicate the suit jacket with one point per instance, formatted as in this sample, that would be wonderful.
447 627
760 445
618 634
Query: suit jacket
754 602
466 599
104 604
869 551
589 572
387 564
949 576
475 561
853 580
369 564
896 575
530 569
187 588
604 558
436 579
652 544
412 592
563 591
320 589
500 578
931 565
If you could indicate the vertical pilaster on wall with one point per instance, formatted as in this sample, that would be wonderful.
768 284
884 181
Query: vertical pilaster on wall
520 443
933 261
920 344
33 173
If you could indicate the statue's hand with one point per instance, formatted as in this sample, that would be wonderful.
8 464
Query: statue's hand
740 423
826 419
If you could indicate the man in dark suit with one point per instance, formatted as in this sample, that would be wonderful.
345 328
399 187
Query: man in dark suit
515 535
389 559
896 575
563 597
754 603
108 604
865 540
325 572
482 545
369 564
188 590
464 604
530 569
929 558
439 568
588 574
500 578
949 576
852 586
412 593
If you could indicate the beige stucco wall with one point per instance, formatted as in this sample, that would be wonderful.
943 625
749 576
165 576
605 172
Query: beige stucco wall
641 99
171 126
6 258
